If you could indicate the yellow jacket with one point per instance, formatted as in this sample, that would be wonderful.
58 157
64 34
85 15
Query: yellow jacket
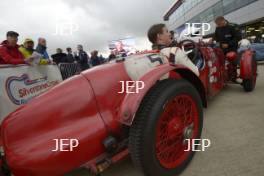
27 53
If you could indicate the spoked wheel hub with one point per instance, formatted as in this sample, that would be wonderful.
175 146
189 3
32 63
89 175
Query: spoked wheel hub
177 123
188 132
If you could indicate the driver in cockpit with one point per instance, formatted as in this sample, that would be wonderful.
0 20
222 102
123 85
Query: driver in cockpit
161 39
159 36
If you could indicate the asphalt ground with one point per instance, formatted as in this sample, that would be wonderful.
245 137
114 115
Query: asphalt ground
234 123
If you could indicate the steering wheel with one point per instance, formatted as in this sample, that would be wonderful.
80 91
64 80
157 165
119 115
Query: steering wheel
190 48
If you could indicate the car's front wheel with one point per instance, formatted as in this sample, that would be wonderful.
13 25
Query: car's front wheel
169 116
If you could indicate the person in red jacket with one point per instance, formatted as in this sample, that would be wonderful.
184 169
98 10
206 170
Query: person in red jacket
9 53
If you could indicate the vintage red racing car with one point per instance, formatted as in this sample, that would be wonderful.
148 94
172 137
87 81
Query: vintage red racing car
152 123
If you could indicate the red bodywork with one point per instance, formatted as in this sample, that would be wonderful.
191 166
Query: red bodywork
89 108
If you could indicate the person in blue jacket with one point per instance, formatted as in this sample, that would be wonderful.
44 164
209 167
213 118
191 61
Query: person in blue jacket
42 49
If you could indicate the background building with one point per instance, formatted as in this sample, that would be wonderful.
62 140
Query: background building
249 14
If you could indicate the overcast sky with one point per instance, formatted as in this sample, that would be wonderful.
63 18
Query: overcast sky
92 22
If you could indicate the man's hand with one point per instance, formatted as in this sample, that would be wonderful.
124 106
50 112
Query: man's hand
210 41
28 62
50 62
31 58
224 45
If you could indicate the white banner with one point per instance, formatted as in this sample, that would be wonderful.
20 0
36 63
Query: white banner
19 84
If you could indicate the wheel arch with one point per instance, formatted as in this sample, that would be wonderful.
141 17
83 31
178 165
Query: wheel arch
195 81
131 102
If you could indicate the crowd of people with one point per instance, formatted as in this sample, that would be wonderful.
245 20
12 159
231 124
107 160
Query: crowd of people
27 53
226 34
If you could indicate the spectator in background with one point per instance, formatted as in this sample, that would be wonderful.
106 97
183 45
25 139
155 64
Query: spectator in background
42 49
120 47
94 58
69 58
59 57
82 57
30 55
102 59
27 48
9 53
112 56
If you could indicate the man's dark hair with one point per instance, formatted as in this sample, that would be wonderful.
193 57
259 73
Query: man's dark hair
12 34
219 18
68 49
59 50
154 31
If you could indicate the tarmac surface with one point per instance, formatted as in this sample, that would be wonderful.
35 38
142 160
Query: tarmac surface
234 122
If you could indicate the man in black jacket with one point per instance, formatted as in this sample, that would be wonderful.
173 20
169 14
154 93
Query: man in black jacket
59 57
82 57
70 57
227 34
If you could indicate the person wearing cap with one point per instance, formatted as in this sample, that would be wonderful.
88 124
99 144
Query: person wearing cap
9 53
27 48
30 55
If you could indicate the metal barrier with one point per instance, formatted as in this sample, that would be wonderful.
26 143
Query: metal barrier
69 69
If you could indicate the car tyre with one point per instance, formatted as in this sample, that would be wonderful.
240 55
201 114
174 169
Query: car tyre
250 84
178 104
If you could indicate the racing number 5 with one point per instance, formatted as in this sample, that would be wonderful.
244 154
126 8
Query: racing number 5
155 59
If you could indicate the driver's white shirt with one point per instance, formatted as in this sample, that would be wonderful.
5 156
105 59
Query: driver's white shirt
180 58
138 65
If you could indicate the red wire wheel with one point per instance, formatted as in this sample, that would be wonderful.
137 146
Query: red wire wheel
254 71
250 84
169 115
178 122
